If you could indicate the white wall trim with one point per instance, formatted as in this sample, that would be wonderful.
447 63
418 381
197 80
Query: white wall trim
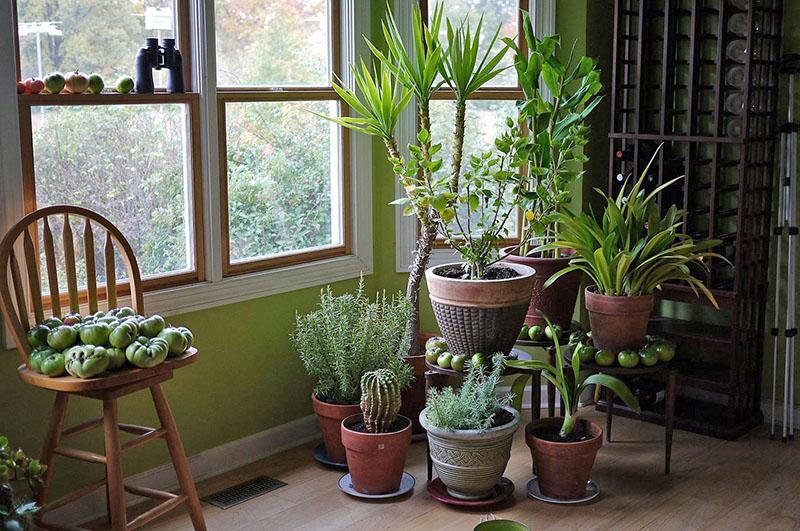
407 227
204 465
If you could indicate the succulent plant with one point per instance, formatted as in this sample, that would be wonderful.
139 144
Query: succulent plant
380 399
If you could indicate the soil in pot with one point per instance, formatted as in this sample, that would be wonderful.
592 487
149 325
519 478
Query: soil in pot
376 460
330 418
563 468
493 273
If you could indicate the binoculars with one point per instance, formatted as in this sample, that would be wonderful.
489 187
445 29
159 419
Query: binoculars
158 57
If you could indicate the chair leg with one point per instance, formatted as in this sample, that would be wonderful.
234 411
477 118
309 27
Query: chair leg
116 487
178 457
51 442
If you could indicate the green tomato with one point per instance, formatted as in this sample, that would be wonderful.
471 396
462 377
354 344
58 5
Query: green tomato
478 360
190 336
96 333
37 356
121 313
37 336
432 355
523 334
628 359
604 358
578 336
86 361
53 365
665 350
109 320
147 352
72 319
648 355
116 358
62 337
457 362
444 360
124 334
175 339
536 333
585 352
436 343
553 332
152 326
53 322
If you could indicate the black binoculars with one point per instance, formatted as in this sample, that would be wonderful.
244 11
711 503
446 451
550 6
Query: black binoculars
158 57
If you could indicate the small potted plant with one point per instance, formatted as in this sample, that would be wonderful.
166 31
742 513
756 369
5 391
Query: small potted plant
344 338
377 439
18 470
563 449
556 121
629 253
470 432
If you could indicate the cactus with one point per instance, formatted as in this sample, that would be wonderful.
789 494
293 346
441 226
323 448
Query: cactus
380 399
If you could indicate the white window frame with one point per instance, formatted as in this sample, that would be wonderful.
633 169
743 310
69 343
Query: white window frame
215 290
407 227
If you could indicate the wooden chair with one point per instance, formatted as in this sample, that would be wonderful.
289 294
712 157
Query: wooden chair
107 388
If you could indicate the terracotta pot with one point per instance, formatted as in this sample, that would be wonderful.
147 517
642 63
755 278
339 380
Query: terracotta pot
470 462
413 397
330 418
618 322
480 315
375 460
563 468
557 302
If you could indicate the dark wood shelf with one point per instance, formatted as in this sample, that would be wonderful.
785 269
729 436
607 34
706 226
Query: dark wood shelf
690 332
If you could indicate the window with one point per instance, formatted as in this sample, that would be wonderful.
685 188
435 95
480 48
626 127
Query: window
283 169
131 157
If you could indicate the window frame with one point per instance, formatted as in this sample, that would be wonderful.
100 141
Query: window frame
407 227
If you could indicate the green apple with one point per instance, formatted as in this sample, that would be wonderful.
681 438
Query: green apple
478 360
54 83
457 362
536 333
523 334
432 355
96 84
628 358
665 350
444 360
124 84
553 332
604 358
648 355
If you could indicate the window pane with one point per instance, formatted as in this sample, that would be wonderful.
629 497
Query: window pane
128 163
272 42
502 13
283 178
89 35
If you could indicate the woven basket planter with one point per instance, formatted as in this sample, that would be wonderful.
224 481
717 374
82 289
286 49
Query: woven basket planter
480 315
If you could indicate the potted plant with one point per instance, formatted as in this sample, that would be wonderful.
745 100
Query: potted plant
563 449
345 337
629 253
470 432
17 469
377 439
556 121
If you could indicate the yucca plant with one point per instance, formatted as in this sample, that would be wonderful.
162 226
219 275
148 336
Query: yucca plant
632 250
572 384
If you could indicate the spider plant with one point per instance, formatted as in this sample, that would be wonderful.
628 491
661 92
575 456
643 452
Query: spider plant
571 384
632 250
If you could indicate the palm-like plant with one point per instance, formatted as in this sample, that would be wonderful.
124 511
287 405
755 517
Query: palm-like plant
571 384
632 250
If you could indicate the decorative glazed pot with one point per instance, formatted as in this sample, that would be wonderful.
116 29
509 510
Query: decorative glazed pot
563 468
557 301
375 460
470 462
330 418
480 315
618 322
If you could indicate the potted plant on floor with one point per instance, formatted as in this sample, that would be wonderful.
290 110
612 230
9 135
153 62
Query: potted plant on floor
629 253
344 338
470 432
556 121
18 470
563 449
377 439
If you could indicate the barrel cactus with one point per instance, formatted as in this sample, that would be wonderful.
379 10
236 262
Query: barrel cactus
380 399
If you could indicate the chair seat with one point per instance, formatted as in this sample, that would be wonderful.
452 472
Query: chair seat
108 380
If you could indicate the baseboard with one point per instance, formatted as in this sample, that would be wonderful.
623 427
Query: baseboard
766 410
206 464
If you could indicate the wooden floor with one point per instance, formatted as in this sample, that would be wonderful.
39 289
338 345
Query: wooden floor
752 483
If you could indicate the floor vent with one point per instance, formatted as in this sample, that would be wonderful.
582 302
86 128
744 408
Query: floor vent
227 498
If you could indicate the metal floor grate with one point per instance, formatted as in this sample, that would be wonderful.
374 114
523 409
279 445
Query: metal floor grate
242 492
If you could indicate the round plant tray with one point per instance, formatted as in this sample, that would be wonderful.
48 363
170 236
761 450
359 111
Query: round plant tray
501 492
406 485
591 493
322 457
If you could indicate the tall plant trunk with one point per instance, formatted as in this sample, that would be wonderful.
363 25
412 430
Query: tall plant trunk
458 145
422 255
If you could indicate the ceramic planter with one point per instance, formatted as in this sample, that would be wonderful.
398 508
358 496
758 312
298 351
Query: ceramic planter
470 462
480 315
618 322
375 460
563 468
557 302
330 418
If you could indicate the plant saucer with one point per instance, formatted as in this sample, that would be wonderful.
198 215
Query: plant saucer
501 492
322 457
592 491
406 485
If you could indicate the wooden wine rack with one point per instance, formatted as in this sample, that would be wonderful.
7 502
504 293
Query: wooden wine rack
701 78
